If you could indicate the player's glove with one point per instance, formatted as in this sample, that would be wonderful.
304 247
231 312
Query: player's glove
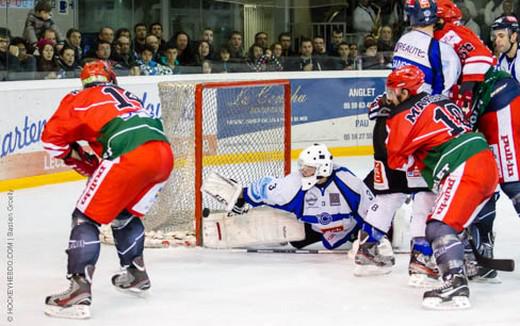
378 107
464 99
81 161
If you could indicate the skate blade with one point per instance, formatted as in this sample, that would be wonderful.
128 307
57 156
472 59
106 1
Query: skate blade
79 311
134 292
423 281
456 303
494 280
371 270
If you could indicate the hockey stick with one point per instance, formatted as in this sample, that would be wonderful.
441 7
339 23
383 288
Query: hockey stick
505 265
291 251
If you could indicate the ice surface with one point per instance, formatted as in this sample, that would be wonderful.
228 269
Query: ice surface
194 286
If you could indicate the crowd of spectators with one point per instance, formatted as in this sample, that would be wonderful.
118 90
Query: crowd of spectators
45 53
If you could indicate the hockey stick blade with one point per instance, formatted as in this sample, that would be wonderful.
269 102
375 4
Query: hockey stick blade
505 265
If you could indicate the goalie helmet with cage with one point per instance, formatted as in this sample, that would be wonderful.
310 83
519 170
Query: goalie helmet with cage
318 157
421 12
97 72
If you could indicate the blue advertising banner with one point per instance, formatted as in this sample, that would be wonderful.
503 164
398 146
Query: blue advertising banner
323 99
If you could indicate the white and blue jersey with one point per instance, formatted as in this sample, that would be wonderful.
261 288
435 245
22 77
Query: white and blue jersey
438 61
336 208
510 65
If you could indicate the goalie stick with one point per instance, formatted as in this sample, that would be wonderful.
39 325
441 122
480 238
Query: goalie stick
505 265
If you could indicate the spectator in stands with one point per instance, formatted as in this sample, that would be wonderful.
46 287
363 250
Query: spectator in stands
73 41
365 17
285 40
122 32
337 39
45 63
468 21
103 51
207 67
50 34
124 58
105 35
156 29
386 43
223 63
344 61
38 21
318 44
67 66
254 61
153 42
181 40
27 61
354 52
169 59
274 61
208 36
306 61
8 55
202 53
472 9
261 39
149 67
235 46
371 58
140 38
497 8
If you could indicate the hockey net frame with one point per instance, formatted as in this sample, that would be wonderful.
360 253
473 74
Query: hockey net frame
158 239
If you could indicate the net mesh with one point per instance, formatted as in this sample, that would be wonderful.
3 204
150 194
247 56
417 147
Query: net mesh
243 138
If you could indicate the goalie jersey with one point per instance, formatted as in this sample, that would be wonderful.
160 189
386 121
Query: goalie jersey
336 208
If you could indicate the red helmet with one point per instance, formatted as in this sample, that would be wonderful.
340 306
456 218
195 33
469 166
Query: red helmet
95 72
448 11
406 77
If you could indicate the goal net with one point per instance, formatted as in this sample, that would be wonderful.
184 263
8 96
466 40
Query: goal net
238 129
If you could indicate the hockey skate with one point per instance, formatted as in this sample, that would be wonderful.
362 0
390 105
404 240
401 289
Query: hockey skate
479 273
453 294
133 278
373 258
422 270
74 303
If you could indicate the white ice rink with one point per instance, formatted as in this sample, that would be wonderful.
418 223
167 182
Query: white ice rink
194 286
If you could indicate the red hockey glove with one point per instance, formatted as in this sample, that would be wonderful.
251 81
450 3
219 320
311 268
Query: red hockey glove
81 161
378 108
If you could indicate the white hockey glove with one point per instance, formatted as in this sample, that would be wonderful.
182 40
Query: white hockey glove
378 107
227 191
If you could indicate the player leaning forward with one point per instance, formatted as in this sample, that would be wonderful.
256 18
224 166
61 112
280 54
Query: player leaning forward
430 131
136 162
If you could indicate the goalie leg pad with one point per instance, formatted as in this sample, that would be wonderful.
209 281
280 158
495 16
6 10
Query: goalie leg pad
84 245
128 232
259 226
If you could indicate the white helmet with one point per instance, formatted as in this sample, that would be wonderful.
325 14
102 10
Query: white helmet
319 157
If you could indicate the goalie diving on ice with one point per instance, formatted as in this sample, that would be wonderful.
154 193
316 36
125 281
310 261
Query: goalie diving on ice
320 202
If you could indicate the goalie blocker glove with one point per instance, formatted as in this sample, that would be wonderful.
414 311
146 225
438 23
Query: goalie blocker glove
85 165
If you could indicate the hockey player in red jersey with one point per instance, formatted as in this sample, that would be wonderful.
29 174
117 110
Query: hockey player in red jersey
431 132
136 160
475 57
491 98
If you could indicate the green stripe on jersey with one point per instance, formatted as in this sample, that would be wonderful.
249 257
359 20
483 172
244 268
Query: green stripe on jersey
445 158
120 136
